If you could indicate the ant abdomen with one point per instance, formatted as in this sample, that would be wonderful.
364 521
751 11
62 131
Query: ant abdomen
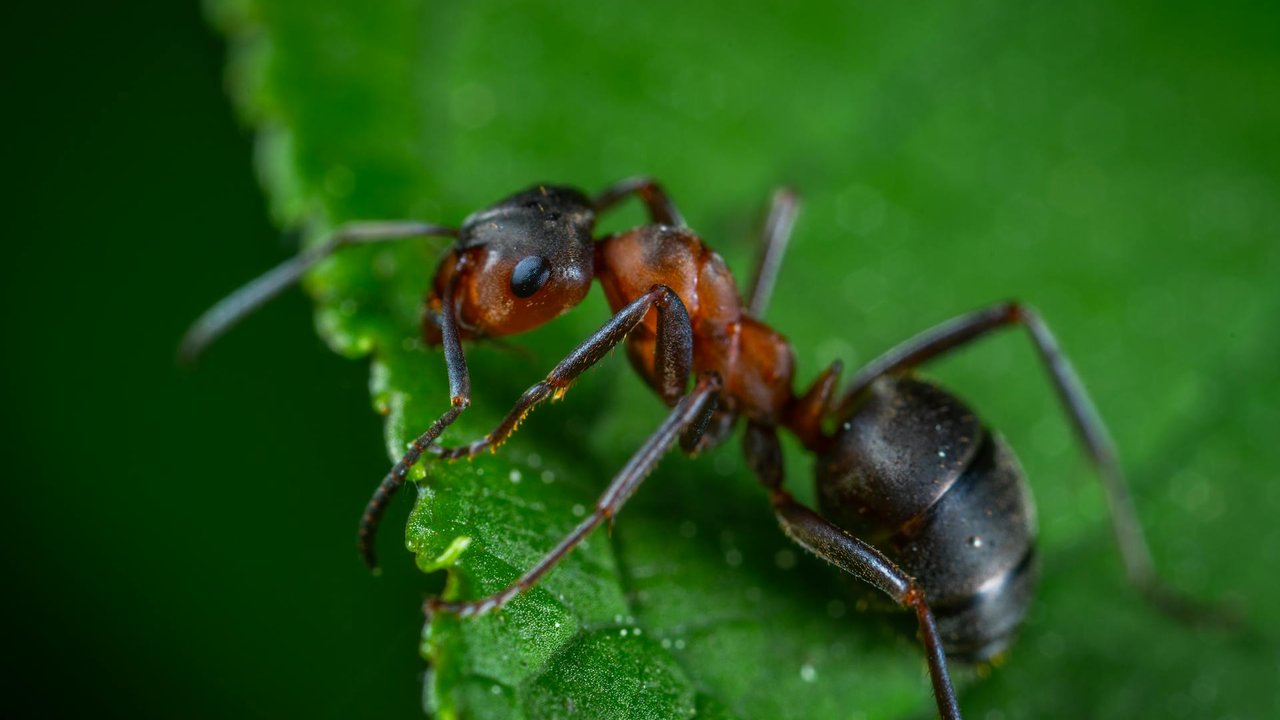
914 472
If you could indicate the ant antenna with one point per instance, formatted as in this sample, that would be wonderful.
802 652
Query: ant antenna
235 307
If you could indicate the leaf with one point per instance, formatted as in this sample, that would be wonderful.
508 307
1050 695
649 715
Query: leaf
949 157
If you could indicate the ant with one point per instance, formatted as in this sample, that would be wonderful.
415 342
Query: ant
917 497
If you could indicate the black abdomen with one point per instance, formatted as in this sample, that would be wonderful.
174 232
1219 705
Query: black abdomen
914 472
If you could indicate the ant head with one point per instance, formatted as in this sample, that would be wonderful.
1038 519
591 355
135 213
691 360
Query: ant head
519 263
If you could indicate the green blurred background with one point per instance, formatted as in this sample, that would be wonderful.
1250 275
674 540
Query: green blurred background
181 543
157 562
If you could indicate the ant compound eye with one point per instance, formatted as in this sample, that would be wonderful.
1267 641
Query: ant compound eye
529 275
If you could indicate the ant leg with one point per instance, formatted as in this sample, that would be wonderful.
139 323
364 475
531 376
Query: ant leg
674 360
1084 417
826 540
773 245
460 398
691 411
674 351
804 415
662 210
235 307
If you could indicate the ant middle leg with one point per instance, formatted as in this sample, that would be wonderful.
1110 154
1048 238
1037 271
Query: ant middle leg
958 332
774 237
690 413
662 210
673 362
831 543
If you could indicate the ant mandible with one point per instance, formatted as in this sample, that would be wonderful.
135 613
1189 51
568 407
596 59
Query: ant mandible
917 497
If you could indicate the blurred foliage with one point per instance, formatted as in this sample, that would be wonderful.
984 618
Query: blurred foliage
1112 163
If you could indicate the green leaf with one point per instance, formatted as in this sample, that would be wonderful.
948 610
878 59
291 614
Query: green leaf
1075 157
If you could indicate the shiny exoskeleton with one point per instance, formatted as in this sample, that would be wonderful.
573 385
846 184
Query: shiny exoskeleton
917 498
917 475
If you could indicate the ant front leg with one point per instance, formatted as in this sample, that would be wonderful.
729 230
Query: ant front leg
673 361
692 411
460 398
662 210
831 543
1084 417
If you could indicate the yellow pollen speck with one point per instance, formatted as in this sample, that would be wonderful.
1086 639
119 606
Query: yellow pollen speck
450 554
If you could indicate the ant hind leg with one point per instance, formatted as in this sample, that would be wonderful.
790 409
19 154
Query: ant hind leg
959 332
824 539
